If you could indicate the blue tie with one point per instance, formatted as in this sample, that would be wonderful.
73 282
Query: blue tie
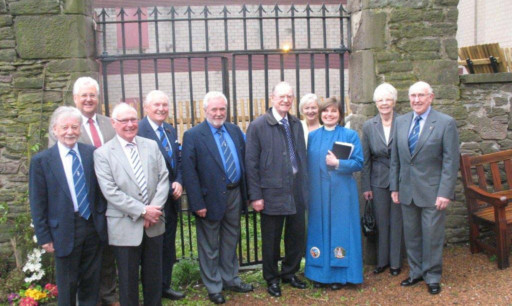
80 187
413 137
166 144
291 151
230 166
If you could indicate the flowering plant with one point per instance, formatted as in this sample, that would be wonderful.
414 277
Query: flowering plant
33 295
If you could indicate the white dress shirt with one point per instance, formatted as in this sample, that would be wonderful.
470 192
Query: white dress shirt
67 162
87 128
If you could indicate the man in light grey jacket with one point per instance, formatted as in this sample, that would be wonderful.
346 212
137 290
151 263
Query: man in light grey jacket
423 173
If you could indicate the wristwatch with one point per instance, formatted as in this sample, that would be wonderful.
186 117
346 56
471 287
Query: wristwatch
143 212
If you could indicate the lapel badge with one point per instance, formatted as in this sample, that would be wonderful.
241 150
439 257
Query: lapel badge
315 252
340 252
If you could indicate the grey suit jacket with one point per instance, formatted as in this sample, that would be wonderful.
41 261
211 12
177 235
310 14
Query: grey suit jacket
377 153
431 171
119 186
106 130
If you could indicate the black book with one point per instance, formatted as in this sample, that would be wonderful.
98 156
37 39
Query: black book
342 150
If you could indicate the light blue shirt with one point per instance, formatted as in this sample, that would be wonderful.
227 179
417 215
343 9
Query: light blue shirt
422 121
231 146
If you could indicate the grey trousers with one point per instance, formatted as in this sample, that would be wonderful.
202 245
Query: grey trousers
389 226
216 243
424 239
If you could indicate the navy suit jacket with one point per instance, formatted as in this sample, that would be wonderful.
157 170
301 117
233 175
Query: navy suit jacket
50 200
203 171
175 174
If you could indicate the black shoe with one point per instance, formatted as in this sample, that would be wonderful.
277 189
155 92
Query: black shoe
336 286
318 285
409 281
274 290
295 282
216 298
434 288
379 270
171 294
243 287
394 271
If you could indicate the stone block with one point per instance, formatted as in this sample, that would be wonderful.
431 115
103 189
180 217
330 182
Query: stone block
371 31
451 48
366 4
6 33
27 99
487 147
423 55
440 72
7 55
5 20
83 7
404 14
419 44
386 56
72 65
400 76
466 135
63 36
502 77
34 7
26 83
402 66
446 2
3 6
450 92
52 97
362 76
6 44
451 15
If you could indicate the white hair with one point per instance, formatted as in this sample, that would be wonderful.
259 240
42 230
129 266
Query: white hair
420 86
212 95
383 90
85 81
306 99
155 94
64 111
122 107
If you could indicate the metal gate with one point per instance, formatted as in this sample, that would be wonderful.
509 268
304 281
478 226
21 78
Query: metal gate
240 50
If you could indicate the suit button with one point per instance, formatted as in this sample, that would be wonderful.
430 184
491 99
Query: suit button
140 193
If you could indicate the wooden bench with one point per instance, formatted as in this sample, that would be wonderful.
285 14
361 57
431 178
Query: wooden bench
487 183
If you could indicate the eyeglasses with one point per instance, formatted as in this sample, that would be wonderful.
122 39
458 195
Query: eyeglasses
281 98
125 121
90 96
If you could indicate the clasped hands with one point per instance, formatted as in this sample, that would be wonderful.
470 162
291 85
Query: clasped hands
152 215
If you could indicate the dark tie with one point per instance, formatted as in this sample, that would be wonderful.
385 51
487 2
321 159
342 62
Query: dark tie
80 186
139 174
415 133
291 151
229 166
94 133
166 144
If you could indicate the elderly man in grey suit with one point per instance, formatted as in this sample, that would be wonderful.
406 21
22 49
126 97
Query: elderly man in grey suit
133 177
96 130
424 165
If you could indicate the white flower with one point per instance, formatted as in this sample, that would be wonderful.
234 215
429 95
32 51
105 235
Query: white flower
34 238
34 266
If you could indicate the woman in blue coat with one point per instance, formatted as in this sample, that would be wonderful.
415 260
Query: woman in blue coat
333 253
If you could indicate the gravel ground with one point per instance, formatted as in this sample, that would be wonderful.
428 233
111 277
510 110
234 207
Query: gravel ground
467 280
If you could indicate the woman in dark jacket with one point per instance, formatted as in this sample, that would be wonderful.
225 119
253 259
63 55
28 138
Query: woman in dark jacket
377 142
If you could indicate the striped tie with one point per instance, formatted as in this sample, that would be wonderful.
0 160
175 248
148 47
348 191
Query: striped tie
291 151
230 166
413 137
137 170
80 187
166 144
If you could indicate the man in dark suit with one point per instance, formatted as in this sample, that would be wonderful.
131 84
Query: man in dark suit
423 174
277 181
96 130
133 178
68 210
154 127
214 177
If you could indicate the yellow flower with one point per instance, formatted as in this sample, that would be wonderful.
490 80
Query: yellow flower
35 294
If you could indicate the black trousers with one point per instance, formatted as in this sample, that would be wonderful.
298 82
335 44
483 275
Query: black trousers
148 255
169 242
78 274
294 243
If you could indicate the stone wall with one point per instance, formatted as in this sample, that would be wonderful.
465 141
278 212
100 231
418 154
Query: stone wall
44 46
401 42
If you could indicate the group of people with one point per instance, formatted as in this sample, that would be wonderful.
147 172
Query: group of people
106 193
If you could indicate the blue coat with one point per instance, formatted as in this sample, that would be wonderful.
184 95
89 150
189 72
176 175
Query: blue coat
203 171
50 200
333 253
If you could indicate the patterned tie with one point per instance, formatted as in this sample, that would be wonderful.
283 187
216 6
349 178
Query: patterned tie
413 137
139 174
94 133
80 187
166 144
293 159
230 166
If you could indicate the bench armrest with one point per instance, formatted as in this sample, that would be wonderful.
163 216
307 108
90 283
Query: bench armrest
496 199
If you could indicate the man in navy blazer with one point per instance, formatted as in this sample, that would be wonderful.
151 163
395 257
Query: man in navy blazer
154 127
67 221
214 177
